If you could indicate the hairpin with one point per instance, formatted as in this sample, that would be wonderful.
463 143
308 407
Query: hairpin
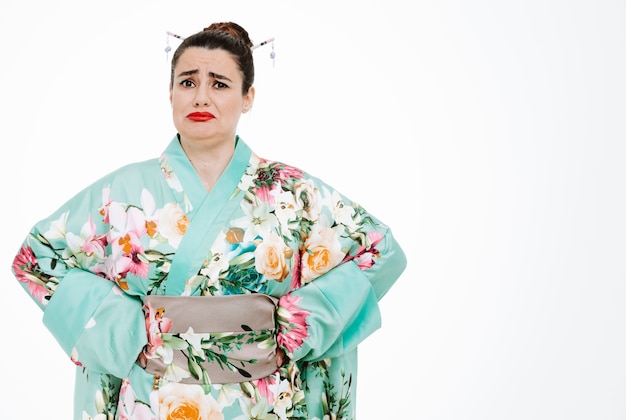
260 44
272 54
174 35
254 47
168 34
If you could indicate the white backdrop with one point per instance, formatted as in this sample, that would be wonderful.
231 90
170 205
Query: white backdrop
489 135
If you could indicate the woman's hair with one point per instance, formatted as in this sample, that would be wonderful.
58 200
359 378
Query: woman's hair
227 36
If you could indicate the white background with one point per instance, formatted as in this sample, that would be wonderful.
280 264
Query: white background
488 134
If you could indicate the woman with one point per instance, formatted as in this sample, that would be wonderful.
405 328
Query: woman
210 283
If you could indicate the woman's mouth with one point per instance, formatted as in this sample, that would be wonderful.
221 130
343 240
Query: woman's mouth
200 116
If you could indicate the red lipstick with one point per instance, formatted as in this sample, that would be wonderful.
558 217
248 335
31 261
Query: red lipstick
200 116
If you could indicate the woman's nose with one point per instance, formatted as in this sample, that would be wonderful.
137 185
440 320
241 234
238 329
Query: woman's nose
202 97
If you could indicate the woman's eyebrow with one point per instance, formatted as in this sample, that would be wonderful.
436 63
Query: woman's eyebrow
211 74
218 76
187 73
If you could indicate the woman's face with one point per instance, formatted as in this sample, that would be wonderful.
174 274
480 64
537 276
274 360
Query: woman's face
206 96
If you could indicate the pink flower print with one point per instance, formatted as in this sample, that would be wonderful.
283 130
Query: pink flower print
88 247
115 267
292 326
270 176
74 357
156 324
27 271
132 248
95 245
296 272
138 266
365 255
129 407
127 242
263 386
24 264
264 194
366 261
287 172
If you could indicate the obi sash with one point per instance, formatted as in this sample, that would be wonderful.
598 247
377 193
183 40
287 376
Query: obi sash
215 339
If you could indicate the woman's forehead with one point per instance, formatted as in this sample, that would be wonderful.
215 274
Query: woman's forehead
203 56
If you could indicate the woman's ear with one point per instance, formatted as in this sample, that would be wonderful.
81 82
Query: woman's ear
248 100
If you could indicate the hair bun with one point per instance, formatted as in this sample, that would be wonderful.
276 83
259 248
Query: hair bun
232 29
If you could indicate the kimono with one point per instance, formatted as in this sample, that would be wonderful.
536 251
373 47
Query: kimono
151 229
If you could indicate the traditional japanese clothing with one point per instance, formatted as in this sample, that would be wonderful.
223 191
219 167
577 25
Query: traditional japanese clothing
306 267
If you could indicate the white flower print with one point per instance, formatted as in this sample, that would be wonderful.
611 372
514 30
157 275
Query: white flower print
258 221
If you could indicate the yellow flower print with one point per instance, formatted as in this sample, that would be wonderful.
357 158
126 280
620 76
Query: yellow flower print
182 402
270 257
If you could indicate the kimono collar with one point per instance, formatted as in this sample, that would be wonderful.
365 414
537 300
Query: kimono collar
184 180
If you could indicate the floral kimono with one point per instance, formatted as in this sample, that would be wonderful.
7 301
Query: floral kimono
318 262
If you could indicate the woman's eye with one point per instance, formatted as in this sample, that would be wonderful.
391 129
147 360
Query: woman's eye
220 85
187 83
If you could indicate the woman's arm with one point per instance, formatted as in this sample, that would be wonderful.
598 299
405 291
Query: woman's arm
348 262
62 265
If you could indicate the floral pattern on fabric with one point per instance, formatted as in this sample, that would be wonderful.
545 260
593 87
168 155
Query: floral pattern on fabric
289 231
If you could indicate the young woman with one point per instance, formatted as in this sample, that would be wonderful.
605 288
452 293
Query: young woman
211 283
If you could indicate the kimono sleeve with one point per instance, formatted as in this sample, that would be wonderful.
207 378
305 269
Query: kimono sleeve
335 311
98 325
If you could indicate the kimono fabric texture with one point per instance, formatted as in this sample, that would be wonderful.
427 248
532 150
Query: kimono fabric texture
151 229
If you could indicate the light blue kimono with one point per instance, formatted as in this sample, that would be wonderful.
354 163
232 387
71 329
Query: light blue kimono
266 227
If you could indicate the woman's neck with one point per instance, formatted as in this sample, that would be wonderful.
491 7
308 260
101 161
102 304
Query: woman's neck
209 162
